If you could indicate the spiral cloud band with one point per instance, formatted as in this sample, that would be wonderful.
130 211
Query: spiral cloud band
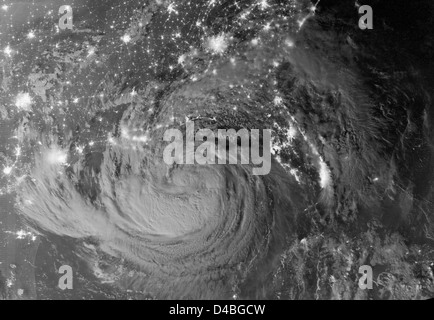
190 230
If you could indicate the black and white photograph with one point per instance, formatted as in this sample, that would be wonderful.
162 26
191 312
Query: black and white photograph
235 152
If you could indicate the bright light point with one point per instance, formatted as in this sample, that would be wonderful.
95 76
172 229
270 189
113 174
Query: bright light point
8 51
278 100
244 15
126 38
289 43
5 7
171 8
21 234
23 101
217 44
267 26
301 22
181 59
264 4
314 7
30 35
255 42
91 52
292 133
7 171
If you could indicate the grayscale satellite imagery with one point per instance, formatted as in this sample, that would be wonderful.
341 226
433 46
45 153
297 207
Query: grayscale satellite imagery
216 150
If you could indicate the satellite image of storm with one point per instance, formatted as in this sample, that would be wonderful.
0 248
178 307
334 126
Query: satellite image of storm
216 150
